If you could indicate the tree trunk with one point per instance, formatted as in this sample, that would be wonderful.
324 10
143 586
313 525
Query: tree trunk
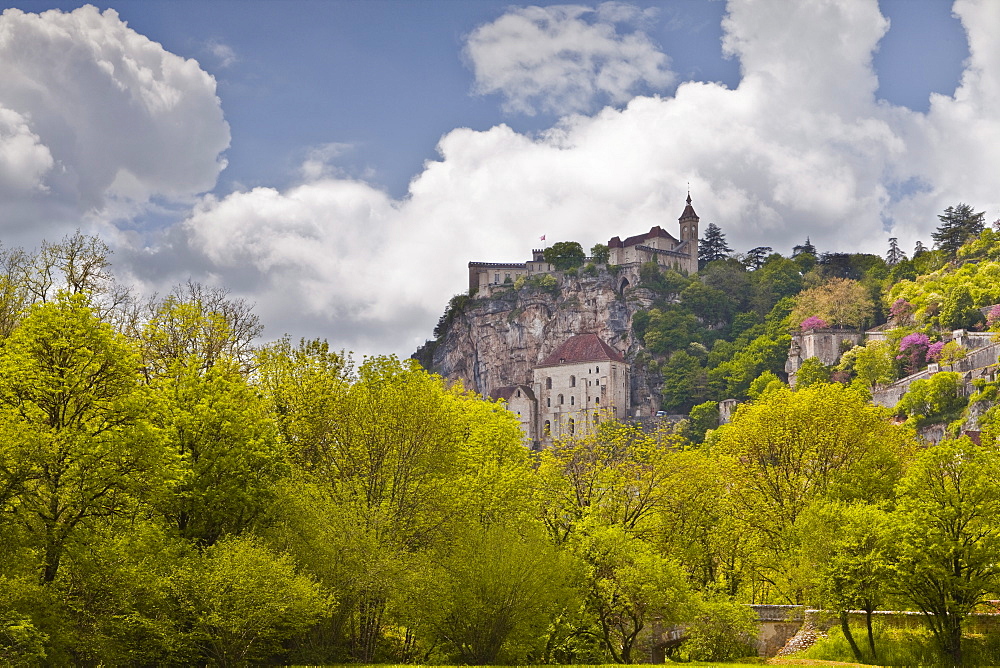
953 650
871 634
846 628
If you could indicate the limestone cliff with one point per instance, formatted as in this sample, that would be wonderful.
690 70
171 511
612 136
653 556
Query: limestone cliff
496 340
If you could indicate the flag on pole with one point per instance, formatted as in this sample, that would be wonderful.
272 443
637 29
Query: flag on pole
541 238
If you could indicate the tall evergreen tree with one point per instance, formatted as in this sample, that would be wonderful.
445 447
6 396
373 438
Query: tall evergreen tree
919 249
807 247
958 225
895 255
755 257
713 246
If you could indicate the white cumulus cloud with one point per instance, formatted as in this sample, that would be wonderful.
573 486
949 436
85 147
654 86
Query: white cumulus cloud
564 58
100 117
802 147
24 160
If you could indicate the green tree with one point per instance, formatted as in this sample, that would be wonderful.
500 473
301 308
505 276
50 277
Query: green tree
614 476
703 418
711 305
391 458
697 522
565 255
958 225
934 399
73 409
670 329
228 447
894 255
240 602
713 247
731 278
811 372
790 449
806 248
601 253
684 381
755 257
722 631
948 513
732 378
839 301
195 322
628 586
496 593
777 277
958 310
871 364
851 551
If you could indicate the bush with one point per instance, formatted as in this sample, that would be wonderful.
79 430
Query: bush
723 631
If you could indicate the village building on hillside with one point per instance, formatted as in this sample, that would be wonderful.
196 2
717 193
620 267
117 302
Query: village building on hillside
657 246
582 382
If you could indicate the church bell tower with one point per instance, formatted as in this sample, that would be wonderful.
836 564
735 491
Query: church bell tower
689 232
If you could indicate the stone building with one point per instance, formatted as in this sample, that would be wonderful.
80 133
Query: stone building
826 345
485 275
660 247
657 246
581 382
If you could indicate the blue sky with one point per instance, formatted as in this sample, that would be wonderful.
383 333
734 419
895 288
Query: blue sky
340 162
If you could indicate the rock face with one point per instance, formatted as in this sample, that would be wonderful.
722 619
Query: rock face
496 340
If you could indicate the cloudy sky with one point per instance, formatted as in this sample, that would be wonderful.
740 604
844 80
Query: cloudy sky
339 162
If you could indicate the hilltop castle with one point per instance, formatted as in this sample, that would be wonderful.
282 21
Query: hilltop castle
584 379
657 246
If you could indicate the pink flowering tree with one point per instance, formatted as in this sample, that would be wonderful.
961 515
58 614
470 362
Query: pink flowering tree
993 317
913 351
813 322
934 351
901 309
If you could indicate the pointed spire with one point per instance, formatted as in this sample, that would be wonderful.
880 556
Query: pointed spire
688 210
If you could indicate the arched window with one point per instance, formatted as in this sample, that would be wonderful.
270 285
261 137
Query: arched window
572 400
572 381
597 370
560 400
519 394
548 427
548 402
572 426
548 383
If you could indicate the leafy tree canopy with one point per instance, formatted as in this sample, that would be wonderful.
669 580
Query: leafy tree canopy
565 255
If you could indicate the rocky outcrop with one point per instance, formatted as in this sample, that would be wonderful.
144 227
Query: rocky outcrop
496 340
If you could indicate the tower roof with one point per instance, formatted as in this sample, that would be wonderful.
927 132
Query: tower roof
688 210
582 348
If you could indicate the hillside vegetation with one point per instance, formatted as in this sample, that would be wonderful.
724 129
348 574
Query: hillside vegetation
171 492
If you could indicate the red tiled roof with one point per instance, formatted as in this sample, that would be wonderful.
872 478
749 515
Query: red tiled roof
653 233
582 348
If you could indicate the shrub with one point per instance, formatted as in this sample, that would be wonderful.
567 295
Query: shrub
723 631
